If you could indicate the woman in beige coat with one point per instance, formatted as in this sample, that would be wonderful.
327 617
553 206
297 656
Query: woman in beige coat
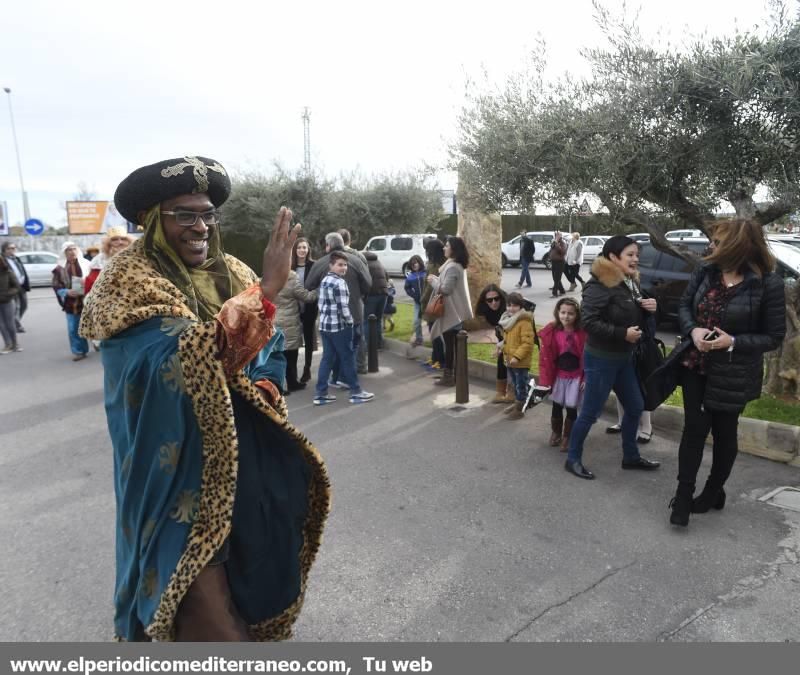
287 318
452 284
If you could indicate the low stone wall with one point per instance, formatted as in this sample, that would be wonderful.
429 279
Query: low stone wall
771 440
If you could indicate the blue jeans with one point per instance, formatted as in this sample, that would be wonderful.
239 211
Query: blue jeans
337 346
77 344
601 376
520 377
335 368
525 275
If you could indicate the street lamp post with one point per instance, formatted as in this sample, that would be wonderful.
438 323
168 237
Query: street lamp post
19 163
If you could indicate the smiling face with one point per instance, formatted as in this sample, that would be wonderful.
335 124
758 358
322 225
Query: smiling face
190 243
302 250
628 260
339 266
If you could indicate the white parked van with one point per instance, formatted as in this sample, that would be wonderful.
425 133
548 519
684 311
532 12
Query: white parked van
395 250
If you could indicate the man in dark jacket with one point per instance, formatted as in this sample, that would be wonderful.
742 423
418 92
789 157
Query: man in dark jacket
526 250
358 281
558 256
374 304
10 254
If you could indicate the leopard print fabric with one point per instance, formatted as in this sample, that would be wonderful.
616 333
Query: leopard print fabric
129 291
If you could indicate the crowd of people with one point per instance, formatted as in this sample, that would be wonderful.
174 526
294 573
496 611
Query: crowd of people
221 501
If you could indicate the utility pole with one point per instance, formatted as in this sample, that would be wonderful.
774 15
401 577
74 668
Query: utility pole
25 208
307 140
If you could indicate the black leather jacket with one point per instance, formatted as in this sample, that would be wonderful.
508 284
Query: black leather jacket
608 309
755 316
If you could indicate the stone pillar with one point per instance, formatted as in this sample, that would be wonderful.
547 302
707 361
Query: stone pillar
482 233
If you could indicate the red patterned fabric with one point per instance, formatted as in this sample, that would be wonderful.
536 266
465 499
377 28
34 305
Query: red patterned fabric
244 326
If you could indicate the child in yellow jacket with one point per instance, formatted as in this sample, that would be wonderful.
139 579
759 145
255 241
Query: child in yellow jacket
517 346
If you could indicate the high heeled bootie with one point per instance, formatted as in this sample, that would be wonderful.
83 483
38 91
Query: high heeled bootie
681 505
709 498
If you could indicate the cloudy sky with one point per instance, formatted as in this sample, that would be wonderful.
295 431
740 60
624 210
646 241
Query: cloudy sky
100 88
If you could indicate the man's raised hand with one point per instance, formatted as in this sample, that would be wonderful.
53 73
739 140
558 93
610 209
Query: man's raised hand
277 259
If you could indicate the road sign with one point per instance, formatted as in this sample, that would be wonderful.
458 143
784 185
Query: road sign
34 226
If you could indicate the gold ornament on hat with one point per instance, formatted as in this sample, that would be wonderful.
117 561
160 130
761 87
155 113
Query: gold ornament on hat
199 168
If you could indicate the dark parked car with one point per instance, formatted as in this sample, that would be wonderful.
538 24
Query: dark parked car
664 276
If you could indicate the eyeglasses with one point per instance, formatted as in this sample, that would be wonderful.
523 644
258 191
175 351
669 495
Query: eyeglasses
119 239
495 298
189 218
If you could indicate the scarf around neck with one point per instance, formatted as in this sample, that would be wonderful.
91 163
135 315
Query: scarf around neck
206 286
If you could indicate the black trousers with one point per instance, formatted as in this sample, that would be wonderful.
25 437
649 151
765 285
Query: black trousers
558 271
697 423
450 347
291 367
573 272
502 371
309 320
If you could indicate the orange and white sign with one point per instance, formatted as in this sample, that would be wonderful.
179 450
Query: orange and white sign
86 217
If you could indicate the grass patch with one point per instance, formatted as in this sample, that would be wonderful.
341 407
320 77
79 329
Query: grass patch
767 408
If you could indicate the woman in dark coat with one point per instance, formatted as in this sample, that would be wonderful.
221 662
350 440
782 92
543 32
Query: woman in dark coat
301 264
732 312
614 312
491 306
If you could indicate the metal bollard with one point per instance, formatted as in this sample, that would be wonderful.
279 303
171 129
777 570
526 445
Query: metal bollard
372 344
462 368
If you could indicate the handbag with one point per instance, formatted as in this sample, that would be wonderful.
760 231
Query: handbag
657 376
435 307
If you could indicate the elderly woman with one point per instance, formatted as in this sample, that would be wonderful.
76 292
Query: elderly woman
451 283
732 312
613 311
117 239
68 284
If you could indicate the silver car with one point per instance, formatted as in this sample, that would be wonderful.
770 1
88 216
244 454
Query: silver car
39 266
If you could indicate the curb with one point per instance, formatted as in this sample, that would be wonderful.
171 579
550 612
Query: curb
770 440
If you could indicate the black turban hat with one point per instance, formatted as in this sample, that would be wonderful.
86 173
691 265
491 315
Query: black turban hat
158 182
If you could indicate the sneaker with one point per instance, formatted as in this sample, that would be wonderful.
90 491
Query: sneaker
324 399
79 357
361 397
338 384
16 348
6 350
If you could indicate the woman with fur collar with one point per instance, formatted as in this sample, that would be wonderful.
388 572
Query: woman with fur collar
613 312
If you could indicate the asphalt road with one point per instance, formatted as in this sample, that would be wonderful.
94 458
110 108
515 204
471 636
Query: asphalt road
451 525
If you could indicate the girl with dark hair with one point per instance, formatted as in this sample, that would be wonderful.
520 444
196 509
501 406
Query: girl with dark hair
491 305
613 311
414 286
451 283
732 312
561 367
301 264
434 252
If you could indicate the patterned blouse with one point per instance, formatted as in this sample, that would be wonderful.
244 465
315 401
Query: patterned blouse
709 315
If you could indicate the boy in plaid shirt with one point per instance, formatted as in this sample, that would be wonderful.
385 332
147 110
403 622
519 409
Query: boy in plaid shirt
336 331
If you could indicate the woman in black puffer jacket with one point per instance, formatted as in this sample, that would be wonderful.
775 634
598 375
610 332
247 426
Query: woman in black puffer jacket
732 312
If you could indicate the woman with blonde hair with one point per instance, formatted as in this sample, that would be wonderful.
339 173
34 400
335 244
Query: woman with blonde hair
732 312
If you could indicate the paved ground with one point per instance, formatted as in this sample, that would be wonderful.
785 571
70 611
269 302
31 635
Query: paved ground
446 525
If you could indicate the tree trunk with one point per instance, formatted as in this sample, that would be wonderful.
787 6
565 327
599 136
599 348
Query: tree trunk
482 233
783 365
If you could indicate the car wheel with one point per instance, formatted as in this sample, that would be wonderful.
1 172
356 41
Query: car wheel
404 269
546 261
503 260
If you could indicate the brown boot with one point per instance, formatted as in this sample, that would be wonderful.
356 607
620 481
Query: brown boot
501 396
565 436
516 411
447 379
556 425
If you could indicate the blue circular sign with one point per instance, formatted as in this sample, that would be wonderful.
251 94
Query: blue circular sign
34 226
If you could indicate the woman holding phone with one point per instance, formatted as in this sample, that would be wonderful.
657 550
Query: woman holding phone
732 312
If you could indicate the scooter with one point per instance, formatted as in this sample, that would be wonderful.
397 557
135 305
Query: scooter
536 394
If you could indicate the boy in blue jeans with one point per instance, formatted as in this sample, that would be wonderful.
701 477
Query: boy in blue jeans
336 331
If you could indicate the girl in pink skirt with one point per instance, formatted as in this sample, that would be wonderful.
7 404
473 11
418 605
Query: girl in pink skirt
561 367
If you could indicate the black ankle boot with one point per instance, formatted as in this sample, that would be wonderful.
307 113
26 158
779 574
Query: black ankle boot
709 498
306 375
681 505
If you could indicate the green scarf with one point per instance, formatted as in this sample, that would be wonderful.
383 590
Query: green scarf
207 286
